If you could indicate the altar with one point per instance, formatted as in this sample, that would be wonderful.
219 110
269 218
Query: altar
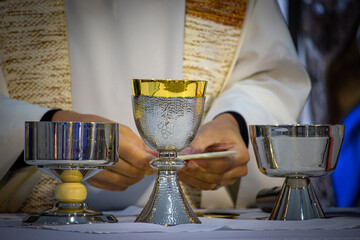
341 223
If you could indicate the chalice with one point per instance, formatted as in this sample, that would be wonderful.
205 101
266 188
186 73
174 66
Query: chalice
168 114
296 152
70 152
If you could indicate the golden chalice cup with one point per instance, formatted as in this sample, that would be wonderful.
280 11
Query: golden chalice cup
168 114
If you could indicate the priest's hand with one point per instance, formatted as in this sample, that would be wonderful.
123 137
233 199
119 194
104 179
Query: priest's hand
220 134
132 166
133 160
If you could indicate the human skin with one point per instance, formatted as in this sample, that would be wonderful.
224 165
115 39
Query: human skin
220 134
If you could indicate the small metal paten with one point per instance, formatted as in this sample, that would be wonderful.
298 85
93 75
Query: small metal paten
168 114
70 152
296 152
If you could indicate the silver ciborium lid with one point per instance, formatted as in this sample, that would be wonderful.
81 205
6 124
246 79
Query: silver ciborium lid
296 152
70 152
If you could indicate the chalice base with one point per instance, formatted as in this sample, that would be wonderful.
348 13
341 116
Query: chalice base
167 204
69 213
297 201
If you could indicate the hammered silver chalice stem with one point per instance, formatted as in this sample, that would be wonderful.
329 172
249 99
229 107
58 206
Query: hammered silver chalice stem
70 152
298 153
168 114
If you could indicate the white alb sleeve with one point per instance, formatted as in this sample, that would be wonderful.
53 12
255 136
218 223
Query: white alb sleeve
267 85
13 115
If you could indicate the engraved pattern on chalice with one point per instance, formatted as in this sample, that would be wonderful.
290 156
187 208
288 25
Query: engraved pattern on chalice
168 114
296 152
70 152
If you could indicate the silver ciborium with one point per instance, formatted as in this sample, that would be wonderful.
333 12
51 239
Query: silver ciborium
70 152
296 152
168 114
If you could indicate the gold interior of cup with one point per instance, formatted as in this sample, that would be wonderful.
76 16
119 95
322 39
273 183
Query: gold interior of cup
168 88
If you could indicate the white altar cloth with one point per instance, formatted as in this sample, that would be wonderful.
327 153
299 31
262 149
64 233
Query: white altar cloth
250 224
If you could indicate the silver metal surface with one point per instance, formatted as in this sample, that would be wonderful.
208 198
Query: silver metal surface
70 152
167 124
57 216
296 152
167 204
69 144
297 201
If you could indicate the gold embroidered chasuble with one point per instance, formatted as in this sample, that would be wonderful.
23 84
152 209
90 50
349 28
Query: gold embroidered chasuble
35 61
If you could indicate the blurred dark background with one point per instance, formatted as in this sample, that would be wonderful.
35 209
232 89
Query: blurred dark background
326 34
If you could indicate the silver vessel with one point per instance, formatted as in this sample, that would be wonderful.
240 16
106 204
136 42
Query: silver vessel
168 114
70 152
296 152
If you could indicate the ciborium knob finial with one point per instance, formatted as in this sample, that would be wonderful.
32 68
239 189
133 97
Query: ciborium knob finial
71 190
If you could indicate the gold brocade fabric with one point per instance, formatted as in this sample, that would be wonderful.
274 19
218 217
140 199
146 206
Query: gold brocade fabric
42 196
35 63
212 33
34 52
